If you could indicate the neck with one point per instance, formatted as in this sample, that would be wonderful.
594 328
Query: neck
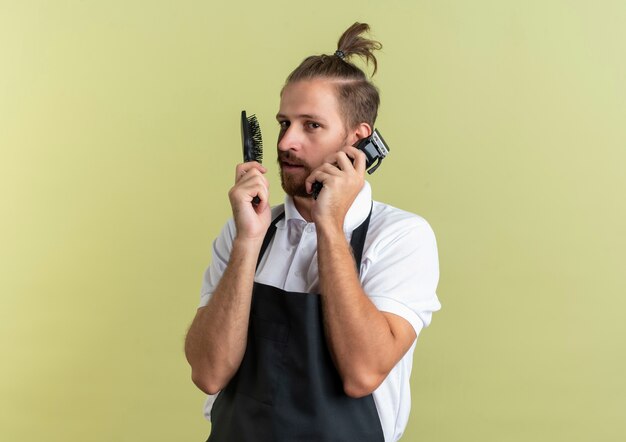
303 205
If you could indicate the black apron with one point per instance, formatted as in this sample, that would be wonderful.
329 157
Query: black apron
287 387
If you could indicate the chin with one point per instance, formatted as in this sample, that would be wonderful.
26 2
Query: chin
294 187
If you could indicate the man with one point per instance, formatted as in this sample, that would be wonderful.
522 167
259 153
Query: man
310 310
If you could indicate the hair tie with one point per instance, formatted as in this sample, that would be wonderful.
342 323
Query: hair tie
339 53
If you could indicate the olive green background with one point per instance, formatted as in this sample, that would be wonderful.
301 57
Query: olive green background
119 132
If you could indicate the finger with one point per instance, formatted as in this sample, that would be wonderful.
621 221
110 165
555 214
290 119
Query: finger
252 175
263 200
331 169
253 186
243 168
308 183
344 162
358 157
321 176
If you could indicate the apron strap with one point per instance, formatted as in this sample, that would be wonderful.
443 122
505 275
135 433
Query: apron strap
268 237
358 240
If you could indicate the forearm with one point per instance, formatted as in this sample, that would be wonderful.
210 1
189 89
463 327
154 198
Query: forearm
216 340
360 337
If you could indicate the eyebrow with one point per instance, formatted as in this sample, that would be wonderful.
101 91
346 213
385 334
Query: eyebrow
302 116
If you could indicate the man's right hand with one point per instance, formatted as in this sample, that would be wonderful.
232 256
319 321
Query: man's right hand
251 220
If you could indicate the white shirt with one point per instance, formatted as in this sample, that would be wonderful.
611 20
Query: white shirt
399 273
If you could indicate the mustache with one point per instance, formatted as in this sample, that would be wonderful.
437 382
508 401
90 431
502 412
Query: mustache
288 158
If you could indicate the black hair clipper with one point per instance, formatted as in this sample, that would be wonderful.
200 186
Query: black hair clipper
375 150
252 142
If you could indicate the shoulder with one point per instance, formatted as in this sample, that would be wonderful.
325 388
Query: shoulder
390 225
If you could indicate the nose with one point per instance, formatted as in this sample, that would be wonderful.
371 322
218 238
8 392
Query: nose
289 139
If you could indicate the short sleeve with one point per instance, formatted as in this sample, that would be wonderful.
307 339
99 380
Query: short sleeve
400 269
222 247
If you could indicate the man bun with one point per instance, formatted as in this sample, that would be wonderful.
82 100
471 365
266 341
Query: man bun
351 43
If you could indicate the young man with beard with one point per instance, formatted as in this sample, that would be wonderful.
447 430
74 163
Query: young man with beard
310 310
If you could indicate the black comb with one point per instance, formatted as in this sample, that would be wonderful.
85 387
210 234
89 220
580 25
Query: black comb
251 138
252 142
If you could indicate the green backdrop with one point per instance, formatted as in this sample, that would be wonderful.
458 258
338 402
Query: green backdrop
119 135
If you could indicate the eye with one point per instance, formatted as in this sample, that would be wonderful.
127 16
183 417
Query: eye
312 125
283 125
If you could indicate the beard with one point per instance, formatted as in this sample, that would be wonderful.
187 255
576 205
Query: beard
294 183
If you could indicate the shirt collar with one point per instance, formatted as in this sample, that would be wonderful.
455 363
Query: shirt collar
359 210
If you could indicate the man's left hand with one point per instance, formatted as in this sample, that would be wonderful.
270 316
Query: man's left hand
342 178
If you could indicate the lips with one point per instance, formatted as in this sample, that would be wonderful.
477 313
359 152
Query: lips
290 163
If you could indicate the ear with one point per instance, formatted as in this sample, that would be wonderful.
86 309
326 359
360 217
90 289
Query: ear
362 130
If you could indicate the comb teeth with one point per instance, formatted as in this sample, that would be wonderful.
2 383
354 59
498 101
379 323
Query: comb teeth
256 151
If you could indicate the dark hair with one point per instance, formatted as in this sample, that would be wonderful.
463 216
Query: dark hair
358 98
